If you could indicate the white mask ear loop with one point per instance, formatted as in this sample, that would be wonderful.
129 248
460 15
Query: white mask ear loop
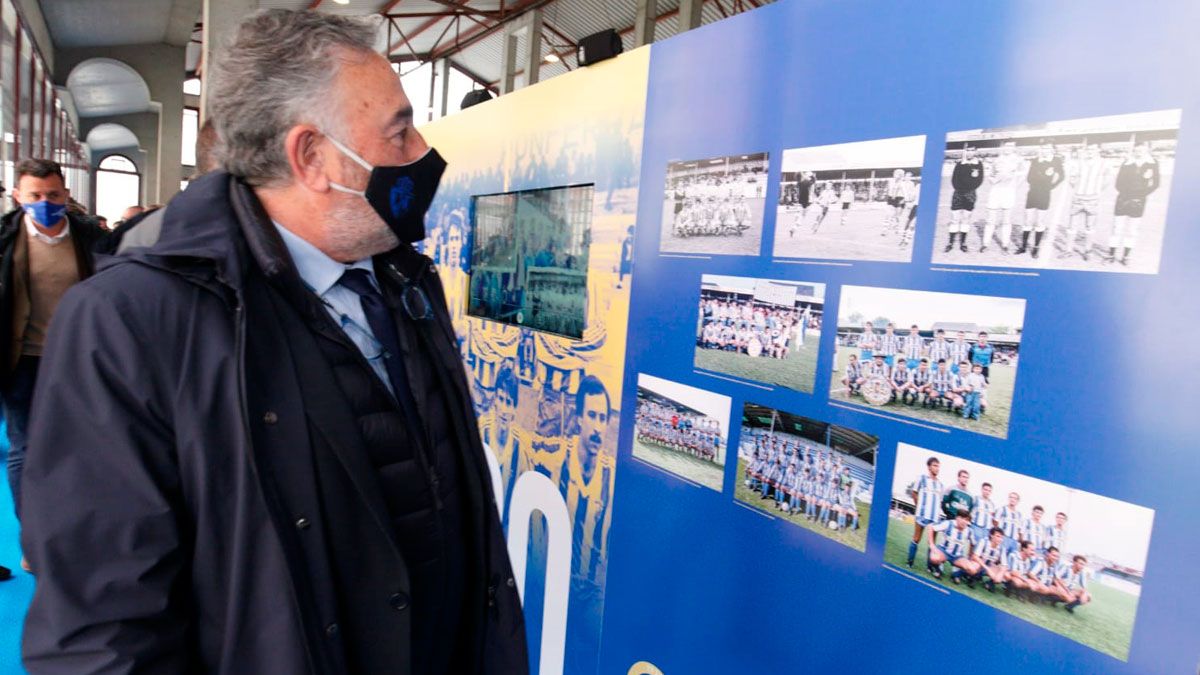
354 156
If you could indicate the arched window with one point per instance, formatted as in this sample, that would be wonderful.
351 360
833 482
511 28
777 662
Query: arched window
118 186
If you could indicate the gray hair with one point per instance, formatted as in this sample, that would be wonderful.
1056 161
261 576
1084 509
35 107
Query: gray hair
279 71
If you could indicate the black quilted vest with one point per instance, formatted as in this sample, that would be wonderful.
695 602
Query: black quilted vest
421 477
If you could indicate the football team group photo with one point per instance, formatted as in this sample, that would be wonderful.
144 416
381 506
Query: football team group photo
809 473
715 206
946 358
1067 560
682 429
765 330
1084 194
852 201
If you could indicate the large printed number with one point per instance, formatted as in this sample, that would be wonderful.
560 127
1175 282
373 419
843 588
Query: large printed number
535 492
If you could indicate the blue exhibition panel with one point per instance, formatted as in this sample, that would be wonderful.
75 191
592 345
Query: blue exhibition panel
1105 402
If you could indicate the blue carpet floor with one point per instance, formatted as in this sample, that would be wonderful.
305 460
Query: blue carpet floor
15 593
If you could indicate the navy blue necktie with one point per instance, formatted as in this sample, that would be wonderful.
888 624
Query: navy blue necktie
382 324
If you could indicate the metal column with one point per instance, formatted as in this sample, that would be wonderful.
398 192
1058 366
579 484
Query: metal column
643 26
689 14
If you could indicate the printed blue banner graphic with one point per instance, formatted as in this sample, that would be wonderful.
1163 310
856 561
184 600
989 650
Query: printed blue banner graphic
909 373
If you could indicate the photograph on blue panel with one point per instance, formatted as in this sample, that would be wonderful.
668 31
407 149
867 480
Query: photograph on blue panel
1067 560
530 257
807 472
715 206
852 201
764 330
1086 194
944 358
682 430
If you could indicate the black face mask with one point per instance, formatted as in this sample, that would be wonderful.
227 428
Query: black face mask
399 194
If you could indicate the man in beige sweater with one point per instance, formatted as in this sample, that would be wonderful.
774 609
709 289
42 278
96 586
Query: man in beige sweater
43 252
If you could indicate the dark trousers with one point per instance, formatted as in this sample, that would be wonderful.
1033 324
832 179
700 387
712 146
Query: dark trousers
17 399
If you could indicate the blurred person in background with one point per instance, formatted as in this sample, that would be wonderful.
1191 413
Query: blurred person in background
46 246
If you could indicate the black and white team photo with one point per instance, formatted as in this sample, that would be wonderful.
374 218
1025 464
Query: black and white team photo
715 206
852 201
1087 194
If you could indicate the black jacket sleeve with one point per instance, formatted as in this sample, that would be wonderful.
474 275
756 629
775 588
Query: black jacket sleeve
101 502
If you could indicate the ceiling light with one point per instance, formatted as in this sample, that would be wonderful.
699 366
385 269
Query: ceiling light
341 2
552 58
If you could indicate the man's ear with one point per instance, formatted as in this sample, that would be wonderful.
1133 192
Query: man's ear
306 156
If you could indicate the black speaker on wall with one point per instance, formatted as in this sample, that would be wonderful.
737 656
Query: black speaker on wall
475 97
598 47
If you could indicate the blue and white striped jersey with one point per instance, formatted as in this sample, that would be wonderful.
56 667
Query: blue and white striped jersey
955 542
944 380
889 344
929 497
922 377
901 376
1017 564
1058 537
1037 533
847 498
959 351
990 555
829 491
1074 580
853 370
1044 571
914 344
1010 521
872 369
939 349
983 512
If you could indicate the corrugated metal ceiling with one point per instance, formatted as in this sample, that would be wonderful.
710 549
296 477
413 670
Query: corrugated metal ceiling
564 20
76 23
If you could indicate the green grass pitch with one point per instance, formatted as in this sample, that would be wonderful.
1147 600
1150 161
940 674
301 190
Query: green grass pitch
706 473
994 422
1105 624
798 371
856 539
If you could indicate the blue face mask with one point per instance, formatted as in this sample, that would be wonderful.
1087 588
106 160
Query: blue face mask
44 213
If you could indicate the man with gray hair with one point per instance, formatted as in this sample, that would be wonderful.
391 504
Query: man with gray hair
271 462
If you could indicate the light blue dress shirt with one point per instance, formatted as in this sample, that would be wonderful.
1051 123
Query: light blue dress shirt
321 274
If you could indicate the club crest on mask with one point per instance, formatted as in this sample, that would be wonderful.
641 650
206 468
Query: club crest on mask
402 195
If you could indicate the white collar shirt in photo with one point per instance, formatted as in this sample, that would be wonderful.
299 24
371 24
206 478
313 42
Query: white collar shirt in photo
55 240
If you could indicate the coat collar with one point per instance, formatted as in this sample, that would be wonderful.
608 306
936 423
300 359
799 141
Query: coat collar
220 220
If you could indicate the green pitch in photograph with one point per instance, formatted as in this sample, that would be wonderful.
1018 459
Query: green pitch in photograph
1067 560
993 420
806 472
762 330
682 430
944 358
697 470
854 538
1105 625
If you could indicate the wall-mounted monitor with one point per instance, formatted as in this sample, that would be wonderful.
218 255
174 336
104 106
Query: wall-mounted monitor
529 258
